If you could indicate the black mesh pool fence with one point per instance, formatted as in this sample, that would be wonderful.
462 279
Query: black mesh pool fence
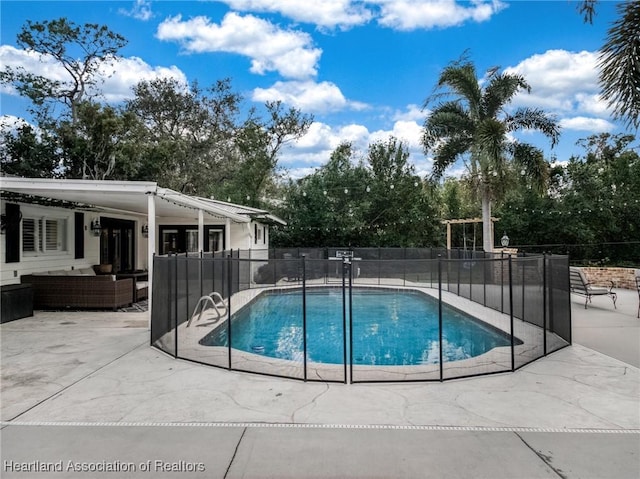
485 313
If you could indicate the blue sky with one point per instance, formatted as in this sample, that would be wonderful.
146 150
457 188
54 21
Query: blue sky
362 68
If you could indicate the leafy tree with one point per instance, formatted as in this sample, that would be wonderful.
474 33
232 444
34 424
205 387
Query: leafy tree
185 132
81 50
398 212
473 125
29 153
91 147
322 209
592 201
257 145
378 201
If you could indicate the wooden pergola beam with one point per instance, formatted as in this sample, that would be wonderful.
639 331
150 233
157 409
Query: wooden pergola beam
464 221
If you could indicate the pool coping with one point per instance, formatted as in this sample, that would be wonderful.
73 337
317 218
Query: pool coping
497 360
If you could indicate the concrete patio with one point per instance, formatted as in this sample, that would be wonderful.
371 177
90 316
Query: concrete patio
87 390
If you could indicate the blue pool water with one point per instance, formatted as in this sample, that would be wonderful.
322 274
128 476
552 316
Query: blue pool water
389 328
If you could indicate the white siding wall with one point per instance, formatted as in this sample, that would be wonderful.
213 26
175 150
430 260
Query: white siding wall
241 234
48 261
240 238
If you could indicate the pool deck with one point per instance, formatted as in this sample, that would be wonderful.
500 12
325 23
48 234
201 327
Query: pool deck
87 390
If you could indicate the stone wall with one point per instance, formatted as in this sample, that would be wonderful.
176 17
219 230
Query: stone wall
621 277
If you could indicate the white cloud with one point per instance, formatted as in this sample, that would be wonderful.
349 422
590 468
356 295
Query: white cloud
11 123
132 70
325 13
566 83
412 112
31 62
581 123
290 53
408 132
307 96
592 104
396 14
119 76
417 14
141 10
314 149
560 80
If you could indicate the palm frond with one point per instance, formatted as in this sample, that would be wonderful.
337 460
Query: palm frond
449 119
446 154
534 119
459 79
619 64
531 161
490 139
501 90
587 9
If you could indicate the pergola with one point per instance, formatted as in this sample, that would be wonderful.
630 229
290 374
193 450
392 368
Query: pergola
464 222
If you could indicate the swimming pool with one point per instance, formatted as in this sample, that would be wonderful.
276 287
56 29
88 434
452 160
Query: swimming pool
390 327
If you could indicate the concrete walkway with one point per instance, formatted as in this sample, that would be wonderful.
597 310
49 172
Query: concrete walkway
83 392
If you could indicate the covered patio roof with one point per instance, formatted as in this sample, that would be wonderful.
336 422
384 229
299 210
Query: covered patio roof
131 197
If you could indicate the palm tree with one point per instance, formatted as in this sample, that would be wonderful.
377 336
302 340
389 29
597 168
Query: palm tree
619 65
471 123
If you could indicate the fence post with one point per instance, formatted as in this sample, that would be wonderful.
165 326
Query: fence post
513 359
459 272
304 316
175 304
351 320
201 273
484 279
229 286
502 281
544 303
344 320
524 280
186 284
440 317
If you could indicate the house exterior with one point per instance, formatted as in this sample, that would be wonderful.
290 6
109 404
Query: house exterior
52 224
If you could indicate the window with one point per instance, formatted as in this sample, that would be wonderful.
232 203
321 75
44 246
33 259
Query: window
44 235
29 234
184 238
257 232
192 241
215 240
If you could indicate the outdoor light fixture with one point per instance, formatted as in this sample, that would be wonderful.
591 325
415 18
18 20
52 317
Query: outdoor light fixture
145 230
96 227
504 241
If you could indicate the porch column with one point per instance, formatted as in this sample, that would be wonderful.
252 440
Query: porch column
200 230
151 245
227 234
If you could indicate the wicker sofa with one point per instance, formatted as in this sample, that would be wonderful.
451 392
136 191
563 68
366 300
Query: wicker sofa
79 289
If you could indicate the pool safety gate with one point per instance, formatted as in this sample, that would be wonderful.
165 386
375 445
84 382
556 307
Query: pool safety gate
525 297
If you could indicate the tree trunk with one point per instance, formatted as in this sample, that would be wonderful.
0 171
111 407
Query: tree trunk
487 234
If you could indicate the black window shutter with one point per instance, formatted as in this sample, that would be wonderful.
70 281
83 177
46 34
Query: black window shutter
12 233
79 235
